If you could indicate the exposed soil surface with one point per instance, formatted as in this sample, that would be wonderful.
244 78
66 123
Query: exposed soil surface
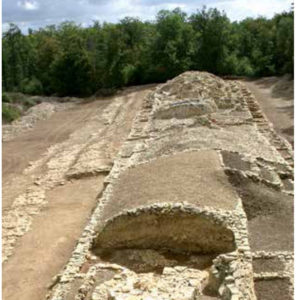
138 260
269 213
44 249
267 265
29 146
161 180
276 97
276 289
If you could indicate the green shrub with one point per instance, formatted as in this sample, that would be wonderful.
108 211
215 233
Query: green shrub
6 98
231 64
31 86
17 97
128 73
9 113
28 102
245 68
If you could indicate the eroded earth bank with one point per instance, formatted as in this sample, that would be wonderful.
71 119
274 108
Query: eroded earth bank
194 194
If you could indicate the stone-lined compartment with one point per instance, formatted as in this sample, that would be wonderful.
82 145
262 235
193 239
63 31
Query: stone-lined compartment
175 228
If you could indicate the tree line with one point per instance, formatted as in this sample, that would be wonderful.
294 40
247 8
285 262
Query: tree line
71 60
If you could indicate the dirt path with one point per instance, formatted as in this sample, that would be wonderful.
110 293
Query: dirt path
275 95
44 211
28 147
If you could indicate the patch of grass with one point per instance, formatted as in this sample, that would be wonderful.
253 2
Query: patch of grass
9 113
22 100
31 86
28 102
17 97
6 98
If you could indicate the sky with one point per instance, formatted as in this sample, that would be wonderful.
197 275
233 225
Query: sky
39 13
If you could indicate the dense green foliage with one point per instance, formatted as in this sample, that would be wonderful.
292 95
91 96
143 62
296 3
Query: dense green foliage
9 113
6 98
71 60
14 104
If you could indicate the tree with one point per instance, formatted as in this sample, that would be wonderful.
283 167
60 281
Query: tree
71 71
134 41
213 36
13 58
173 46
258 44
110 54
284 40
69 59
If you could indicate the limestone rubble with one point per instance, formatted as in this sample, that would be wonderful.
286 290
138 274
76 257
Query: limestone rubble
187 202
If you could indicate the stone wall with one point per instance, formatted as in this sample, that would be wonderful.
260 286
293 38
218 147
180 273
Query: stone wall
172 207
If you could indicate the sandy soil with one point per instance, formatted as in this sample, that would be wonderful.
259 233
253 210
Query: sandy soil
161 180
30 146
40 252
276 97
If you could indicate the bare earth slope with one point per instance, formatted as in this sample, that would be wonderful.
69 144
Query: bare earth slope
276 97
50 188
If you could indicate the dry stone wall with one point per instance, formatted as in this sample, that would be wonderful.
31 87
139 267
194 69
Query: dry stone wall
173 221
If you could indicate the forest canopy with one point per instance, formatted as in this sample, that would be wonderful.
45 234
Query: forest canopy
69 59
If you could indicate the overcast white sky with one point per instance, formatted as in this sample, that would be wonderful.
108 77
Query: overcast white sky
38 13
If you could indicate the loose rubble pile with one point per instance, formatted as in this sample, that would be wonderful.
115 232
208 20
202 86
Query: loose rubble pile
191 204
173 283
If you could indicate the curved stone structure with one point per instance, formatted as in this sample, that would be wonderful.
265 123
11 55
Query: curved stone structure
174 227
193 155
195 177
190 181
